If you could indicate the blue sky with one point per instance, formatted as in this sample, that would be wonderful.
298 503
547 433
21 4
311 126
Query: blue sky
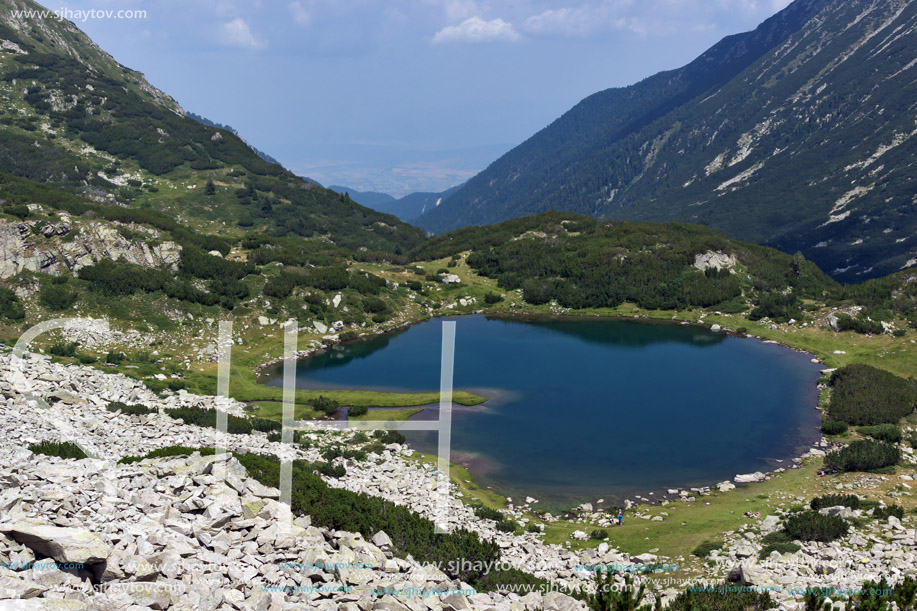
402 95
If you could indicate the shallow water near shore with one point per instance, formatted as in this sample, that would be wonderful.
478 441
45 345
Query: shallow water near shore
583 409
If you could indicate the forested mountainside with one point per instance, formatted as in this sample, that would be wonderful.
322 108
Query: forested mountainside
579 262
74 118
798 135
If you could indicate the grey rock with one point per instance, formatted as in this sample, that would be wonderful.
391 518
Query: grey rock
66 545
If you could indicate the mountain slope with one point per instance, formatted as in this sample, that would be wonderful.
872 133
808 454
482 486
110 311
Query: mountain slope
74 118
406 208
370 199
797 135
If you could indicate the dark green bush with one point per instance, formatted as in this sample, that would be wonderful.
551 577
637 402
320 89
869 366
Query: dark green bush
62 348
332 452
18 210
778 306
357 455
57 297
598 534
778 541
834 428
835 500
845 322
62 449
487 513
726 597
863 455
322 467
130 410
373 305
207 417
357 410
703 550
10 305
882 513
168 452
325 404
812 526
491 298
882 432
388 437
864 395
265 425
274 436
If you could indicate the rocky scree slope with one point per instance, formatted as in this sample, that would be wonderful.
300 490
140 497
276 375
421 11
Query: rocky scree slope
167 534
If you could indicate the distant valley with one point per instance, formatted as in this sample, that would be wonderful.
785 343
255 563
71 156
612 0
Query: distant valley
407 208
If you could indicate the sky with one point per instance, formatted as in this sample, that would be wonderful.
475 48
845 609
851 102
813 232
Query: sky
400 95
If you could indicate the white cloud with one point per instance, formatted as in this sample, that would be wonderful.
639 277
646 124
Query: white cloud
579 21
460 9
237 33
475 29
299 13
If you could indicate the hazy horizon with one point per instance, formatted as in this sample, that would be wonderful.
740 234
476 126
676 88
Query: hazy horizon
403 96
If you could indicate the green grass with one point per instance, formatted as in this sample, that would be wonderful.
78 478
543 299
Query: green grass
243 386
688 525
464 482
274 411
387 415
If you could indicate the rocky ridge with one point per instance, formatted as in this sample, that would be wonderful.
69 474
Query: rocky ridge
70 244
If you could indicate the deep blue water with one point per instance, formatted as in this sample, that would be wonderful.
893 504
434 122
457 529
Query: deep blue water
582 409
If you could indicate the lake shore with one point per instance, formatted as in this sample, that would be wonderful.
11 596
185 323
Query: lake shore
776 463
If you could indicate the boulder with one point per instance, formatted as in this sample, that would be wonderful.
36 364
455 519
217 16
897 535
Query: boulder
895 523
748 478
555 601
380 539
19 588
745 550
64 544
